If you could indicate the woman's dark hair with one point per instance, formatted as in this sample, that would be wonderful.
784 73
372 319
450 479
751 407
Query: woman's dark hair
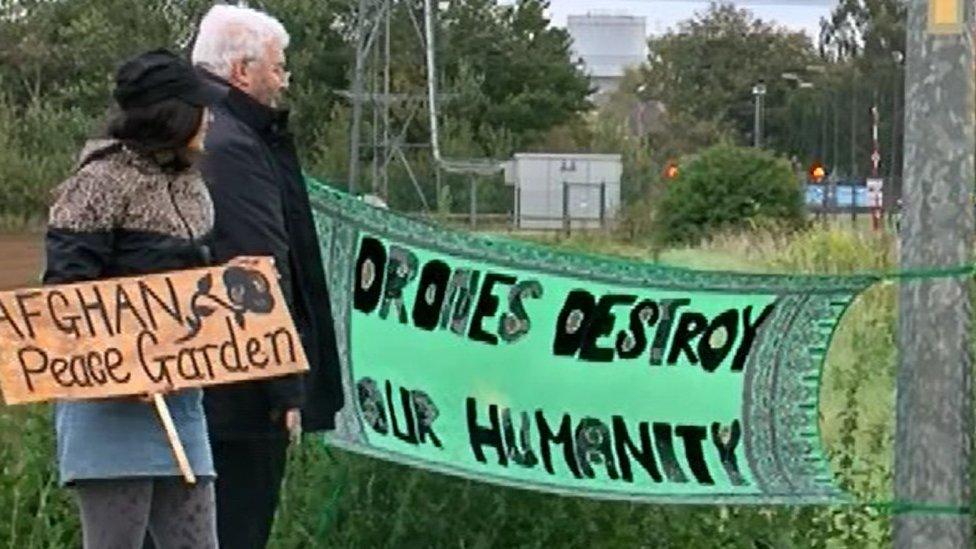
161 130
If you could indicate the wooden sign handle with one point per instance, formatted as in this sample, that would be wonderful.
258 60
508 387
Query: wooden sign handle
174 439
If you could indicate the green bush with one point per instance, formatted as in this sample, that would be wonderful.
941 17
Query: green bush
727 188
37 514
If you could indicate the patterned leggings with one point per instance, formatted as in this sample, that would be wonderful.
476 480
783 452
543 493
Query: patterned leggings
117 513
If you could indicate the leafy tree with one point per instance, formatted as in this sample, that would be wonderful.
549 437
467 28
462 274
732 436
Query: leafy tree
320 58
56 63
865 42
65 52
57 60
706 69
511 69
528 81
870 29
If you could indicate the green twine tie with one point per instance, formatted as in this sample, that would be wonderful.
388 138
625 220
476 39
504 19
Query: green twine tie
918 508
928 273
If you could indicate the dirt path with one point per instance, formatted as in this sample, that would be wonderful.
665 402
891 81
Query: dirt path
21 260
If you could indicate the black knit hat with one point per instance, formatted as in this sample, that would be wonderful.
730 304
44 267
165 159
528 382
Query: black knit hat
158 75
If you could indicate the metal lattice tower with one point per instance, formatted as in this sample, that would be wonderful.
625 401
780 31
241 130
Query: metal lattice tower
372 86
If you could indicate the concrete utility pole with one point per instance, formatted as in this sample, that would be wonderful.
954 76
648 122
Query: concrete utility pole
933 447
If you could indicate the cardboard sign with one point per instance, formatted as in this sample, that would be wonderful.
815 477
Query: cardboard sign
146 334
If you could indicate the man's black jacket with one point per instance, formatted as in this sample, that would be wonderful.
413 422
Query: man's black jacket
262 208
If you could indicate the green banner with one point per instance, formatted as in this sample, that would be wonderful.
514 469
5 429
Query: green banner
516 364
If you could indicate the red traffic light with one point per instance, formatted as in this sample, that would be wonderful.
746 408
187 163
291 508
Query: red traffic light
817 172
671 170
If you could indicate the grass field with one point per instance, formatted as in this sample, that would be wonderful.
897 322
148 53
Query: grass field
334 499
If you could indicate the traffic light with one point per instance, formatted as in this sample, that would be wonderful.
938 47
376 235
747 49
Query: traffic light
671 170
817 172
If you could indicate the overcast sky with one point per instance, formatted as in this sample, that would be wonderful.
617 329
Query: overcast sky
795 14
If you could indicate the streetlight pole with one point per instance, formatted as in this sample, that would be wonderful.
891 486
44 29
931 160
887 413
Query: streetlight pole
807 143
759 93
819 81
893 168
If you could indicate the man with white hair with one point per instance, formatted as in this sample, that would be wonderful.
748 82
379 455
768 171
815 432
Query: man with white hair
261 208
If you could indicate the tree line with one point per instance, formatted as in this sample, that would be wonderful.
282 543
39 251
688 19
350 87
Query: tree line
511 78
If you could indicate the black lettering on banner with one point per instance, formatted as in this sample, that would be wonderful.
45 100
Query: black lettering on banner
519 452
460 297
9 320
171 308
487 307
370 269
564 436
664 443
693 437
27 314
480 436
426 412
749 330
573 322
372 406
65 323
97 304
632 345
410 436
123 303
515 323
602 325
434 279
669 310
625 448
401 269
689 327
593 445
712 357
726 442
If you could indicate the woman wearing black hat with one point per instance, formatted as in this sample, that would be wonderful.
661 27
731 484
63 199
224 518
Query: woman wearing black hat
136 204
